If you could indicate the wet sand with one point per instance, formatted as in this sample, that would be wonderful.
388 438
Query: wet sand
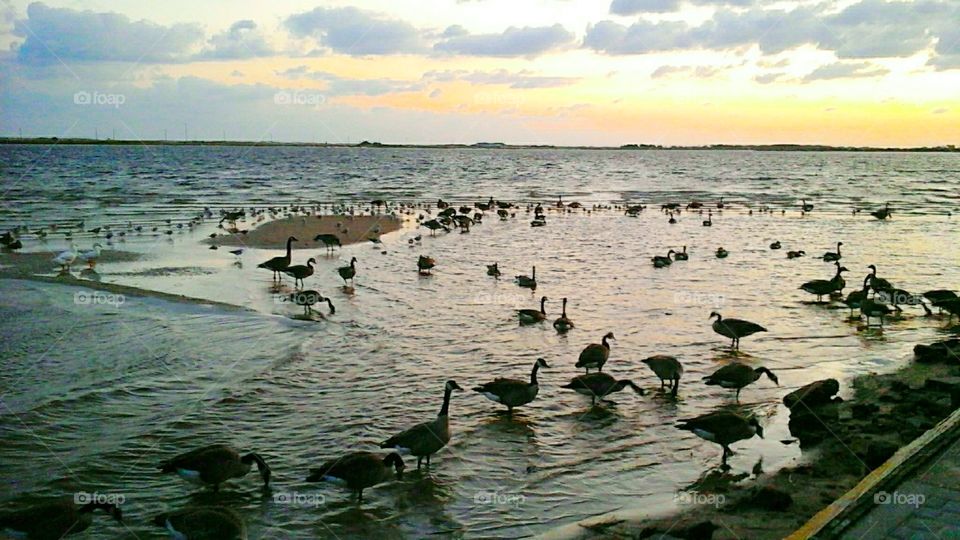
274 234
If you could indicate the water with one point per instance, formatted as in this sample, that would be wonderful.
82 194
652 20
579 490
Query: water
93 396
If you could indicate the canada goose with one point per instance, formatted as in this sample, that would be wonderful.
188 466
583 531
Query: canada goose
228 216
682 256
528 282
720 204
90 257
54 520
595 355
723 428
599 385
278 264
539 221
563 324
775 245
871 308
348 272
13 246
329 241
513 392
709 221
203 523
796 254
667 368
435 226
855 298
877 283
883 213
660 261
493 270
821 287
212 465
531 316
737 375
672 220
804 206
359 470
830 256
426 439
308 299
441 204
65 258
694 205
939 295
425 264
951 305
734 328
299 271
485 206
722 253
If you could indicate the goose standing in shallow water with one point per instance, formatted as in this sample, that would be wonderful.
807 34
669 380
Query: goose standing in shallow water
90 257
65 258
667 368
528 282
300 271
279 264
737 375
531 316
426 439
939 295
513 392
883 213
821 287
599 385
308 299
723 428
563 324
212 465
54 520
349 271
734 328
595 355
203 523
359 470
877 283
830 256
425 264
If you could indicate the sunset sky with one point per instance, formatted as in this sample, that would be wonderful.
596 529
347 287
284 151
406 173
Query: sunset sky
573 72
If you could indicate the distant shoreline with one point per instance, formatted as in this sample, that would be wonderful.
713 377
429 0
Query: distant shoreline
481 146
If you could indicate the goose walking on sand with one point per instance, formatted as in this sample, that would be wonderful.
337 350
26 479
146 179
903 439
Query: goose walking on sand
595 355
203 523
532 316
528 282
513 392
723 428
734 328
215 464
736 375
666 368
54 520
563 324
599 385
425 439
299 272
279 264
348 272
359 470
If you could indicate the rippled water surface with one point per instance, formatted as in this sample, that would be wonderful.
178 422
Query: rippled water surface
93 396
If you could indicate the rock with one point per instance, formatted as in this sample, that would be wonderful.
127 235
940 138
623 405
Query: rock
940 352
863 411
770 498
814 394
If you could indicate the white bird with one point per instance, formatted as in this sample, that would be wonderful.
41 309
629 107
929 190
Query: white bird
90 257
66 258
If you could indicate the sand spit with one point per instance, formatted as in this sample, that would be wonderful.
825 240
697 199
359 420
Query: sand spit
274 234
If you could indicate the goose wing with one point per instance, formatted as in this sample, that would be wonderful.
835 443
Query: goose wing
422 439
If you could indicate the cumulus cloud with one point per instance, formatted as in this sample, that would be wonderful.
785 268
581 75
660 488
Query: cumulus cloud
241 40
349 30
841 70
526 41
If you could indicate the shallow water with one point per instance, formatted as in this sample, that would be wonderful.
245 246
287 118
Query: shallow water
93 396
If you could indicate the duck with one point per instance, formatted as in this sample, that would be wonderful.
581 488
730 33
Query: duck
599 385
513 392
531 316
359 470
821 287
667 368
425 264
203 522
883 213
349 271
279 264
775 245
722 253
493 270
329 241
90 257
796 254
563 324
723 428
299 271
528 282
737 375
54 519
65 258
734 328
682 256
427 438
215 464
660 261
595 355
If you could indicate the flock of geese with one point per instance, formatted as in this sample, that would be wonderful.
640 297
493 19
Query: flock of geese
214 465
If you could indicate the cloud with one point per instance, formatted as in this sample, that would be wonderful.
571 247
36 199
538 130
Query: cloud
841 70
526 41
767 78
700 72
520 80
634 7
65 35
241 40
352 31
339 86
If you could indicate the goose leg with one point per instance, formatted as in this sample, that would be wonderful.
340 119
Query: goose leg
419 461
738 394
661 385
360 496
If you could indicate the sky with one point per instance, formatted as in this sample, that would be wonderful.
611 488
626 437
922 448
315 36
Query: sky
565 72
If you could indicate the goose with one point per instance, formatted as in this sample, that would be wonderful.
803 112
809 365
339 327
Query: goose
427 438
796 254
308 299
65 258
531 316
299 271
694 205
939 295
737 375
672 220
722 253
660 261
599 385
872 308
329 241
804 206
883 213
856 298
877 283
237 252
485 206
723 428
539 221
951 305
734 328
775 245
821 287
13 246
425 264
90 257
435 226
359 470
667 368
595 355
831 256
212 465
563 324
493 270
278 264
513 392
528 282
203 523
53 520
348 272
441 204
682 256
709 221
720 204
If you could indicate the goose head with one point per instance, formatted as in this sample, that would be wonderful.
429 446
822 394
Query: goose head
714 314
623 383
542 363
609 335
249 459
394 460
756 425
292 239
451 386
311 261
